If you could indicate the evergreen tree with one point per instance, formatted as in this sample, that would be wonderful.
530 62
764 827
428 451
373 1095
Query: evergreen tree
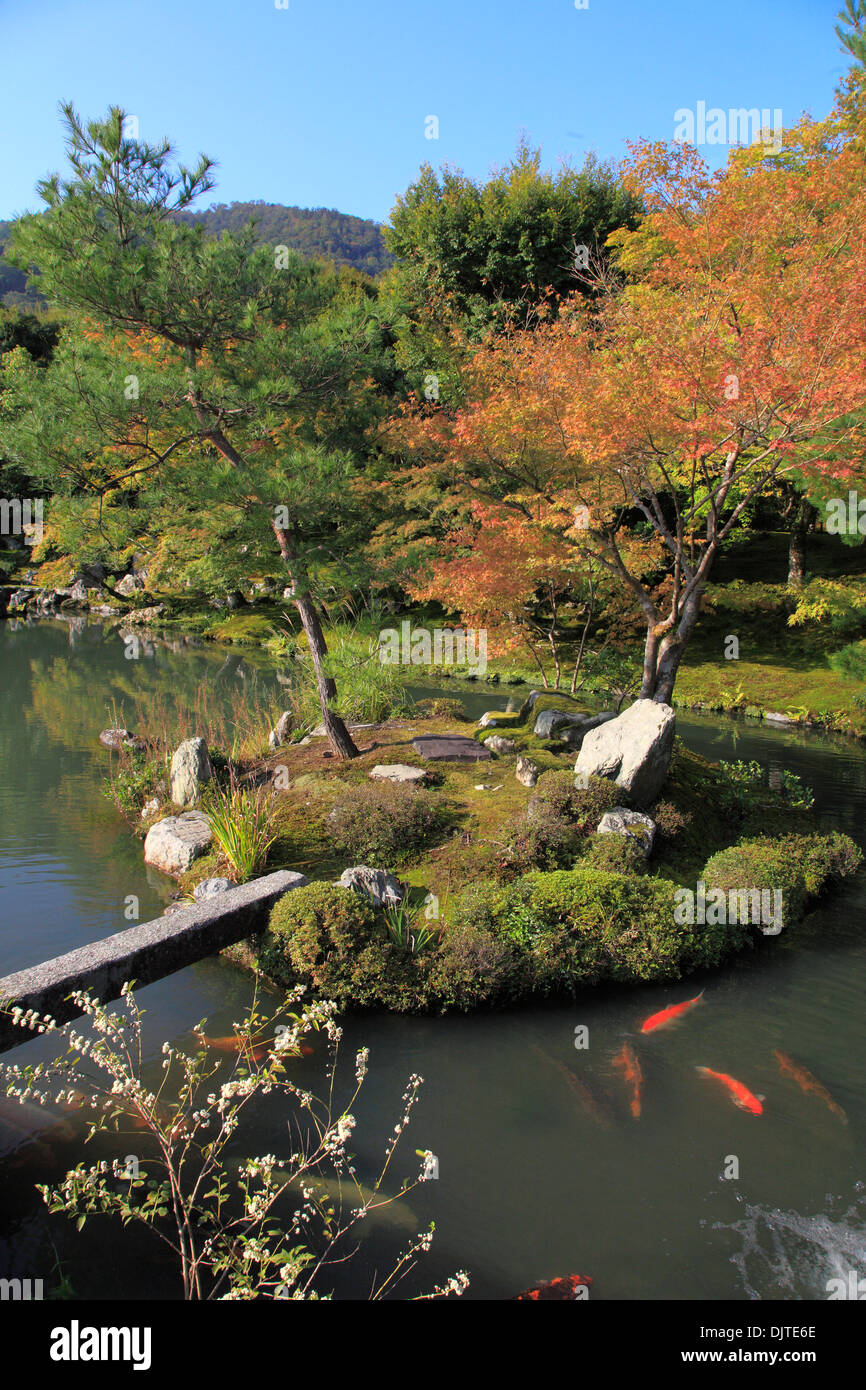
188 361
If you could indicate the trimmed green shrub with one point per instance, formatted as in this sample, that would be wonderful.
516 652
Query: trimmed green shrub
330 937
575 928
383 822
799 865
582 806
618 854
472 967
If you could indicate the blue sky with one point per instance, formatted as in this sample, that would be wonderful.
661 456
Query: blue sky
323 104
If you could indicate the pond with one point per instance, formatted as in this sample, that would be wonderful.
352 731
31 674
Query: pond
537 1177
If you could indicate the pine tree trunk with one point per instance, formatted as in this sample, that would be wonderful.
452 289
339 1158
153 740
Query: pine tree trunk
341 739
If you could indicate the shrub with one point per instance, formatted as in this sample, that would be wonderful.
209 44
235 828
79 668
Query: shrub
386 822
670 820
618 854
544 840
441 707
799 865
330 937
593 925
571 929
582 806
472 967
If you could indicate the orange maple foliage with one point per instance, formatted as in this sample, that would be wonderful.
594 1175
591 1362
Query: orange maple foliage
725 362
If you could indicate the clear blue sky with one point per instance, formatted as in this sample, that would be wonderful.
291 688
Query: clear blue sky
323 104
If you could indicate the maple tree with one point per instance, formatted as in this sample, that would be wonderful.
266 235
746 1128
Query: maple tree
657 415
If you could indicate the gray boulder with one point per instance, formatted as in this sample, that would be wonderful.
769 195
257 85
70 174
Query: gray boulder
280 732
174 843
551 719
527 771
381 888
634 750
190 771
128 585
620 821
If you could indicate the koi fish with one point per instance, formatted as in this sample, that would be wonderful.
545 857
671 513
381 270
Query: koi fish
628 1060
589 1101
665 1016
258 1051
563 1288
808 1083
740 1094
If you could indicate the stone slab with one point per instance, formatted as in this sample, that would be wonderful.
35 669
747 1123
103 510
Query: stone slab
450 748
143 953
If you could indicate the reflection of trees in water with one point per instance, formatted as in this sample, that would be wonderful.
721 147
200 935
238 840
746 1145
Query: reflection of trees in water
67 695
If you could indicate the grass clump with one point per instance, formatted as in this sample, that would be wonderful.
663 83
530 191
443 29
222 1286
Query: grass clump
242 825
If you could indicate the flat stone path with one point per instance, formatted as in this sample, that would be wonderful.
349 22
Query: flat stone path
450 748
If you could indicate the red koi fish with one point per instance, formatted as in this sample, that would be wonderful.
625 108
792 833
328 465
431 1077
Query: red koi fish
808 1083
740 1094
628 1060
258 1051
562 1288
665 1016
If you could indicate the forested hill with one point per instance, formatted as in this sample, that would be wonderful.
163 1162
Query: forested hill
314 232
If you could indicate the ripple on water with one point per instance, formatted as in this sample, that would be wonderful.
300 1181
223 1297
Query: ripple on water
787 1255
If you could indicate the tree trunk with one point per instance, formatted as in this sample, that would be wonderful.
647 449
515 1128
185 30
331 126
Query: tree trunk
663 653
797 547
341 739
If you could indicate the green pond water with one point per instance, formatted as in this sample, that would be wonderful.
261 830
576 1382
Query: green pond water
532 1183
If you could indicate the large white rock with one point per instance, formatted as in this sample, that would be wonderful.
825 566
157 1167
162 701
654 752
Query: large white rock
173 843
634 750
190 770
620 821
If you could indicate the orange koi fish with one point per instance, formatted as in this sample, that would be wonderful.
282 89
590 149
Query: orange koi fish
808 1083
628 1060
740 1094
562 1288
258 1051
665 1016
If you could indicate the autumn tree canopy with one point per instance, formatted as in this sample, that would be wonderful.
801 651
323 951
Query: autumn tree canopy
654 417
